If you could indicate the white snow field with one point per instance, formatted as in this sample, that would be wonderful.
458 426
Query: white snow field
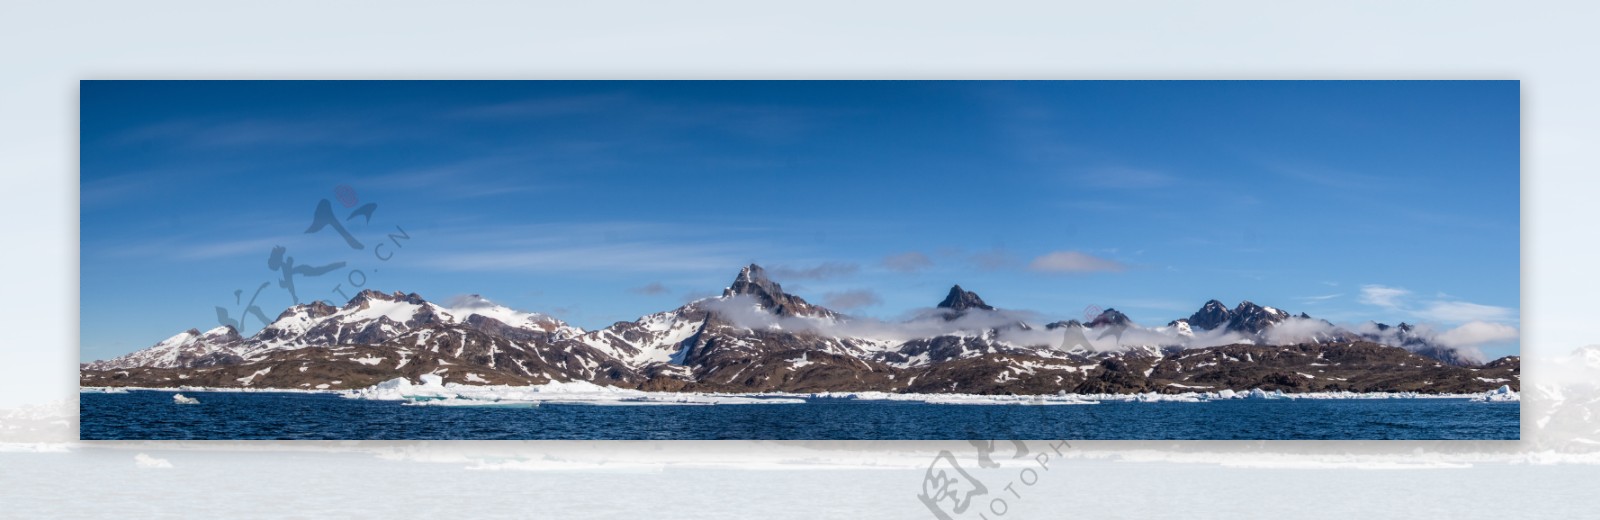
432 391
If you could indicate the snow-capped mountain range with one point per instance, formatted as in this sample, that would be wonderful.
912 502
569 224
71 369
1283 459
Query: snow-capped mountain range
756 337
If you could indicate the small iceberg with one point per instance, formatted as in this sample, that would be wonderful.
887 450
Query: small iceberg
1498 395
1257 393
102 390
182 399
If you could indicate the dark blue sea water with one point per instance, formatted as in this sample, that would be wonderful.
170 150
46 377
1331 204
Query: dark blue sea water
224 415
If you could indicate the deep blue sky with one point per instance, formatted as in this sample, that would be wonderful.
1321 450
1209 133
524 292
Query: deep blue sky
603 201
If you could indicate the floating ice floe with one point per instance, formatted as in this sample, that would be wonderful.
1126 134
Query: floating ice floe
1502 394
451 401
182 399
1147 397
433 392
1023 400
1257 393
102 390
1056 399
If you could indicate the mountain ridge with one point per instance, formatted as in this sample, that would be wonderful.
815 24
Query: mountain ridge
757 337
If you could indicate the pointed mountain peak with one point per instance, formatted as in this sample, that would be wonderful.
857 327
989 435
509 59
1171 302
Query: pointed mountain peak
1249 307
1110 317
1252 318
1211 315
752 273
753 282
960 300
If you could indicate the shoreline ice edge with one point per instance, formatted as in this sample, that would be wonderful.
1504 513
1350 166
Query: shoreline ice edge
432 391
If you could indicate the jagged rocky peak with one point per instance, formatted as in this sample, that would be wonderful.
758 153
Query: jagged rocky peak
1110 317
1252 318
753 282
1211 315
1065 323
397 296
1401 329
316 309
961 300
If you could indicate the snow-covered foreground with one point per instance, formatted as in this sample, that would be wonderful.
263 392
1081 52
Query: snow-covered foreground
775 481
433 392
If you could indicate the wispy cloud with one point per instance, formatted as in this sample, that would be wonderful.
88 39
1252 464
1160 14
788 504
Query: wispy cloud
469 245
1074 262
1382 296
823 271
1458 311
496 174
1321 175
620 257
1126 179
263 131
209 247
1440 309
1476 333
907 262
1317 299
651 289
774 122
853 299
993 259
535 108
